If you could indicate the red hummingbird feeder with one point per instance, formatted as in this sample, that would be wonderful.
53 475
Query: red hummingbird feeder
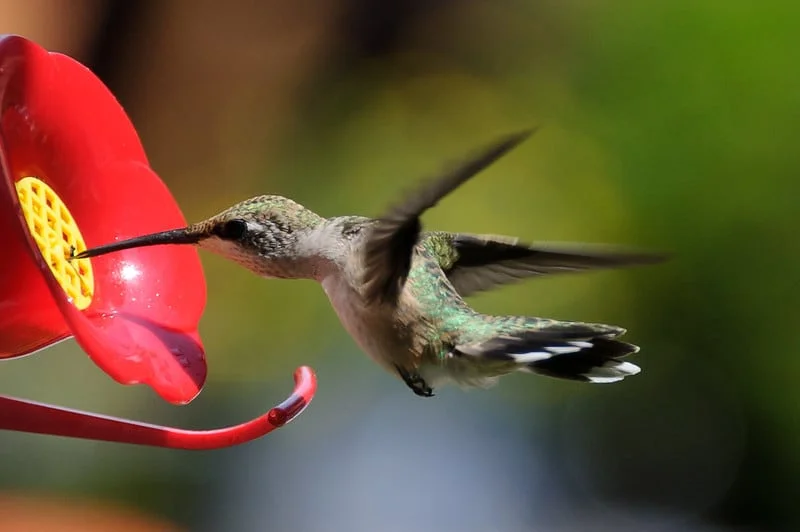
74 174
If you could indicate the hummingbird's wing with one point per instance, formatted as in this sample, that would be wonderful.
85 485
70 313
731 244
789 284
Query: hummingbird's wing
390 243
479 262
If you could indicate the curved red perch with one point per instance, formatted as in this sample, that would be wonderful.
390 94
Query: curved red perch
27 416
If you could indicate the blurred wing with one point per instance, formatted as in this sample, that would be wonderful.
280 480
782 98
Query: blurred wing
481 262
390 243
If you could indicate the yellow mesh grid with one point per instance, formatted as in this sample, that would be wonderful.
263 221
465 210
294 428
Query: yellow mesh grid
56 233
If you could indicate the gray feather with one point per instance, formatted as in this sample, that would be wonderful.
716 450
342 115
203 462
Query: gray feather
482 262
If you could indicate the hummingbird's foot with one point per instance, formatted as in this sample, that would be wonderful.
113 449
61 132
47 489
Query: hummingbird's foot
415 382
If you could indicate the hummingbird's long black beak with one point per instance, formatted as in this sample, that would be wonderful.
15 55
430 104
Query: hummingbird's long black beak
187 235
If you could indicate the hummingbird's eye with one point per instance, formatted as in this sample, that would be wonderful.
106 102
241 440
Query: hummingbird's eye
231 230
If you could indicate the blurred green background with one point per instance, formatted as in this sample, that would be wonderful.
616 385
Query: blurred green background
669 125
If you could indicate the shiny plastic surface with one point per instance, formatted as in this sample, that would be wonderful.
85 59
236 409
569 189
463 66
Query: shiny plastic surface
59 123
26 416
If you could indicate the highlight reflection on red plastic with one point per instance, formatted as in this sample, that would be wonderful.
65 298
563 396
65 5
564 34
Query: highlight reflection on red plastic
27 416
60 124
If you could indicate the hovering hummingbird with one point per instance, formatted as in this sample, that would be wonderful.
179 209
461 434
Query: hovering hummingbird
399 291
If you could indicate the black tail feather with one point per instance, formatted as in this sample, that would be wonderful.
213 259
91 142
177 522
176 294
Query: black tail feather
598 362
593 359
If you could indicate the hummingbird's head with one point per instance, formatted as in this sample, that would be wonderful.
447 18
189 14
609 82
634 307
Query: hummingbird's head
261 234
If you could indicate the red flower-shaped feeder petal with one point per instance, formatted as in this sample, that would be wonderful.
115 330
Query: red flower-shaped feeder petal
74 171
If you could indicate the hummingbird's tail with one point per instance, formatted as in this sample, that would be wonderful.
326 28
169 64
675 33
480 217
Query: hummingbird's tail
566 350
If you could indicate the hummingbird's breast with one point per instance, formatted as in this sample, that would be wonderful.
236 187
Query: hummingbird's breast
374 329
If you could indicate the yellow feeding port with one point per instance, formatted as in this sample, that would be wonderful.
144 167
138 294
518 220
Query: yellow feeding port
57 235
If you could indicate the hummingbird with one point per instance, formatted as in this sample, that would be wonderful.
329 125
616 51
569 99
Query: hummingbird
399 291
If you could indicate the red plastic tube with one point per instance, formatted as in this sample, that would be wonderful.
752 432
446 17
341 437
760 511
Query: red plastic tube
28 416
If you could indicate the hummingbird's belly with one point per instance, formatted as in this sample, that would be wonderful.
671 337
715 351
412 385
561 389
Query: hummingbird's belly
372 329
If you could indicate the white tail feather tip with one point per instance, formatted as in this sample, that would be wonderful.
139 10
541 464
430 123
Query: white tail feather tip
563 350
582 345
603 380
533 356
627 368
612 371
548 352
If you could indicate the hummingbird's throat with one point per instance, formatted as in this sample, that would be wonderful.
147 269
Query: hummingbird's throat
57 236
